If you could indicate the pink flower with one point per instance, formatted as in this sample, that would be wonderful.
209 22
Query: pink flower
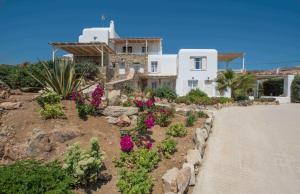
126 143
149 145
149 103
150 121
139 103
97 95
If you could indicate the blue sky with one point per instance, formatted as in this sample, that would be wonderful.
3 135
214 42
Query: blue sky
267 30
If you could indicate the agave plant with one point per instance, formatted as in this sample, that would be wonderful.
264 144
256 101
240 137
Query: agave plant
61 79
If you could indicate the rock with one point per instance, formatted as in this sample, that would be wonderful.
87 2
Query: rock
124 98
10 105
112 120
63 135
203 132
123 121
169 180
113 97
38 143
16 92
183 179
194 157
134 119
4 94
199 140
192 169
116 111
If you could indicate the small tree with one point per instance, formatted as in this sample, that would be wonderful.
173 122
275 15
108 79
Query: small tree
295 87
238 83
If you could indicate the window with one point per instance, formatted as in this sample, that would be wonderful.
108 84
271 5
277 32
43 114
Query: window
198 63
129 49
154 66
192 84
144 49
154 85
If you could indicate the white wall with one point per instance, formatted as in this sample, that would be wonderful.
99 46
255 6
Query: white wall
166 65
187 72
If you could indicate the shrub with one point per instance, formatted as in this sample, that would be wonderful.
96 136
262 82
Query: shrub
52 111
197 93
33 177
295 87
183 99
48 98
149 92
163 116
128 104
140 158
84 166
165 92
167 147
177 130
190 120
241 98
89 70
201 114
265 99
273 87
134 182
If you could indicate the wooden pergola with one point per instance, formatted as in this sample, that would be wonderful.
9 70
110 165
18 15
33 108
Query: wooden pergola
228 57
82 49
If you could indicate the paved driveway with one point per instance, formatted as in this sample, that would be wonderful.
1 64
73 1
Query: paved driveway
253 150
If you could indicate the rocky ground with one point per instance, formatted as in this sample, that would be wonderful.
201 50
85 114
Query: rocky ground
24 135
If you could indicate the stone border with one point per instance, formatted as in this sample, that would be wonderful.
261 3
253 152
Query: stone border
177 181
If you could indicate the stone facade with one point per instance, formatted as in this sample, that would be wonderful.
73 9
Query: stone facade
129 60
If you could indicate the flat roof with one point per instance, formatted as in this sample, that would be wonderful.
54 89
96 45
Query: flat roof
135 40
83 48
227 57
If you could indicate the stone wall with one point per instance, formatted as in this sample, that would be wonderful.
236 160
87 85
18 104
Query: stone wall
128 60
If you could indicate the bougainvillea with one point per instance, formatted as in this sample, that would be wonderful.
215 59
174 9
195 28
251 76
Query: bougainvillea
149 103
150 121
97 95
126 143
142 105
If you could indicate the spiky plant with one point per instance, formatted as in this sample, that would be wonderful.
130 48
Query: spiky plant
60 79
238 83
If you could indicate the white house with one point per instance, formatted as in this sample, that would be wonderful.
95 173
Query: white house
188 69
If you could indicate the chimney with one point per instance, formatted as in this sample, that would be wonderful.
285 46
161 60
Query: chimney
112 25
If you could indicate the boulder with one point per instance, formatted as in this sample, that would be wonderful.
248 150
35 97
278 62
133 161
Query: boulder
116 111
183 179
199 140
169 180
124 98
113 97
134 119
10 105
192 169
63 135
123 121
38 143
194 157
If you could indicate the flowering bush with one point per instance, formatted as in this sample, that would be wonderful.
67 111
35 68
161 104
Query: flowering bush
126 143
163 116
143 105
149 121
86 106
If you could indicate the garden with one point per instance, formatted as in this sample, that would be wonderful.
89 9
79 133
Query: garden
62 140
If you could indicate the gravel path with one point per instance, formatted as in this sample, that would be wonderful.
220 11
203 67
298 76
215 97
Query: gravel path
253 150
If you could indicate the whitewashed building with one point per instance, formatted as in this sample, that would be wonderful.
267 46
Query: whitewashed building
120 58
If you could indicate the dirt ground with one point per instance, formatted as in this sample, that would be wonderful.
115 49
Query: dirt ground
25 119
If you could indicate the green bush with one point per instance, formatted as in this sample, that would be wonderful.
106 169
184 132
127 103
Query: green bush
265 99
165 92
84 166
201 114
177 130
134 182
33 177
163 115
197 93
149 92
241 98
48 98
190 120
90 70
52 111
139 159
128 104
295 87
273 87
167 147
